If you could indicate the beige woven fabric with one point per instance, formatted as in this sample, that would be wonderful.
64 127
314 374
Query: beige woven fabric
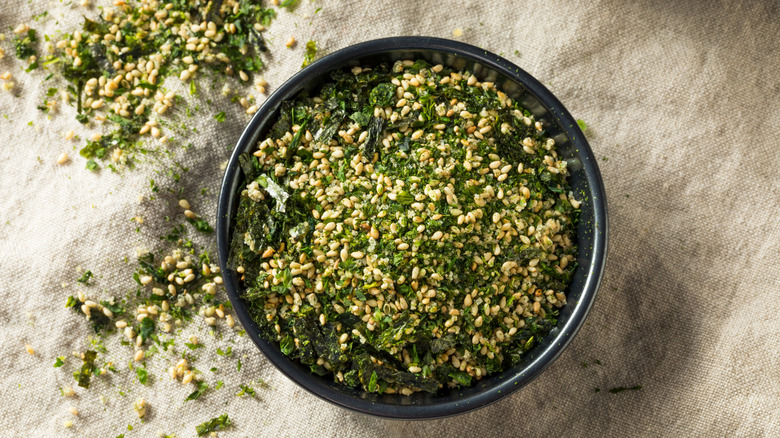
683 104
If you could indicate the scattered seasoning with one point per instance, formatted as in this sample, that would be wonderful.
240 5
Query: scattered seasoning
623 388
290 42
142 375
246 390
24 43
168 289
583 126
200 225
84 279
219 117
219 423
140 407
59 361
83 377
356 193
113 66
311 53
202 387
290 4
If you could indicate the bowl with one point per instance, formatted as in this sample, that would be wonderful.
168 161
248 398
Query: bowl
585 180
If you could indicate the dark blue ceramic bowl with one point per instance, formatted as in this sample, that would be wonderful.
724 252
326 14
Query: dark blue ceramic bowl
585 180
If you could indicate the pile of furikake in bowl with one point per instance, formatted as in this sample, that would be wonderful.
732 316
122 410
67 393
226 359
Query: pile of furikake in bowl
405 227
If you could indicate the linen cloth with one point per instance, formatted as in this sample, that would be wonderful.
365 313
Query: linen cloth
682 100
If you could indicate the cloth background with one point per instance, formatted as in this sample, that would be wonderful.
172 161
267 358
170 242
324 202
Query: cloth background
683 104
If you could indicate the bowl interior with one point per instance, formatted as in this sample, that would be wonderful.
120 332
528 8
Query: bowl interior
585 181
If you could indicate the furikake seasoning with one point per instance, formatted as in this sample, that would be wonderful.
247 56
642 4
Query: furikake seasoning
407 228
115 65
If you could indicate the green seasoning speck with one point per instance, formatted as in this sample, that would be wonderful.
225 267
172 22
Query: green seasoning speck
290 4
202 387
220 423
142 374
24 44
85 278
583 126
83 377
311 53
246 390
405 228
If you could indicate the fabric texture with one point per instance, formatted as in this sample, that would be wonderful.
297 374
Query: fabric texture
682 100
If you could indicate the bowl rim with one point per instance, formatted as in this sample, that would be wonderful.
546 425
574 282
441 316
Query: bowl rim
566 332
